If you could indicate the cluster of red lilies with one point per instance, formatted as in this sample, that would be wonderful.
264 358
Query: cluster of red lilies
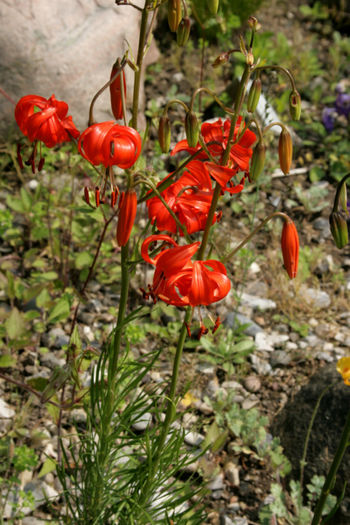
178 280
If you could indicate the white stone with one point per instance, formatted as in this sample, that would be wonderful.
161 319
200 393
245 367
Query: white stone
6 412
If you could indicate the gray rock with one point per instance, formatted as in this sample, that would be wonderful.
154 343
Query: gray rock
252 383
65 47
143 422
194 439
217 483
232 473
280 358
321 224
266 342
55 338
257 303
51 360
233 320
260 365
315 298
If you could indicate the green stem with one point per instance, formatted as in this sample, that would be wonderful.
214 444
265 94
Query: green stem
247 239
330 479
140 55
171 407
125 279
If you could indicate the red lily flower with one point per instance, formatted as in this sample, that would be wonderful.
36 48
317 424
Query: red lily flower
179 281
190 199
50 124
218 132
290 247
223 176
110 144
127 214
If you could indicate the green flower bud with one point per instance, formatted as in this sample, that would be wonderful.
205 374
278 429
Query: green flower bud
164 133
254 95
343 198
183 32
295 105
257 162
339 228
192 129
174 14
213 6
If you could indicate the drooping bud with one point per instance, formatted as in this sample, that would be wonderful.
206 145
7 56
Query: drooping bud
192 129
183 32
257 162
290 247
86 195
127 214
343 198
174 14
115 89
339 228
164 133
213 6
254 95
221 59
285 150
295 105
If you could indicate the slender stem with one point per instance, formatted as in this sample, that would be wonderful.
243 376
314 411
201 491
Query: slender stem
171 407
247 239
329 481
283 70
125 279
140 55
306 444
100 91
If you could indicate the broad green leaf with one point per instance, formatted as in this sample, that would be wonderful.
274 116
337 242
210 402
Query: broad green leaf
7 361
82 260
38 383
43 298
15 324
48 466
60 311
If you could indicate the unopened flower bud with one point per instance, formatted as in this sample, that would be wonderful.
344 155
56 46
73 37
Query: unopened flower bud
343 198
254 95
290 247
249 58
252 22
192 129
174 14
164 133
221 59
213 6
257 162
295 105
115 89
183 32
127 214
285 150
339 228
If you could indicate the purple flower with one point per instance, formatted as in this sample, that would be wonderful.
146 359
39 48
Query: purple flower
342 104
328 118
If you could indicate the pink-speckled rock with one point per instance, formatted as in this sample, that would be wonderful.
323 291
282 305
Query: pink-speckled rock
65 47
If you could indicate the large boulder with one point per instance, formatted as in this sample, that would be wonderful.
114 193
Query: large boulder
65 47
292 424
